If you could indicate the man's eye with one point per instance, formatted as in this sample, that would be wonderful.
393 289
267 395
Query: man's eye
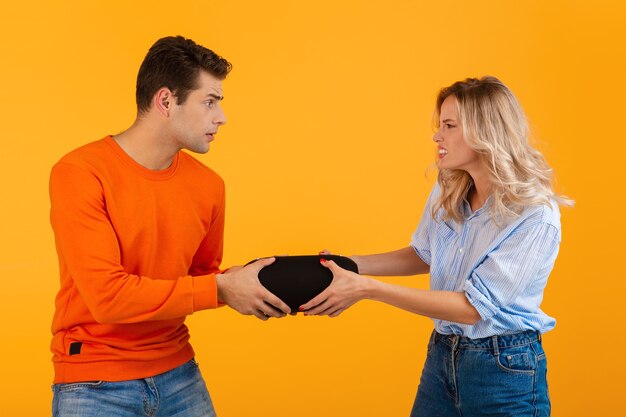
210 104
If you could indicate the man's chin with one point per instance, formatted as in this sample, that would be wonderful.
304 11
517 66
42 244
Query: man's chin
204 148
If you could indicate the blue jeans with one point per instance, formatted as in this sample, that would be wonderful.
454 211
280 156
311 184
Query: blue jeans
492 376
180 392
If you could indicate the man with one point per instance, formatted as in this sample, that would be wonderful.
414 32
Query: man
138 228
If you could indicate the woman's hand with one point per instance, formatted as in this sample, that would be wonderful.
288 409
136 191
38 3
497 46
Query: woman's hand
346 289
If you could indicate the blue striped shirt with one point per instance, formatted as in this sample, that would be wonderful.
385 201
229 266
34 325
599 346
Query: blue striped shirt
501 267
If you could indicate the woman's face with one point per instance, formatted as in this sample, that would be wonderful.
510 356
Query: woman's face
453 150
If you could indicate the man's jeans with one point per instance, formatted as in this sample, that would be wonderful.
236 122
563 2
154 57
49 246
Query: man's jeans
179 392
492 376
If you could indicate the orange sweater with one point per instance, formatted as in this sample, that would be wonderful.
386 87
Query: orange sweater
138 251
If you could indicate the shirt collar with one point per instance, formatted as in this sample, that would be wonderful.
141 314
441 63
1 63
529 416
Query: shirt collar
467 208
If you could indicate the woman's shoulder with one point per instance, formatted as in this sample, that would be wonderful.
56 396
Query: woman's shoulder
435 193
541 215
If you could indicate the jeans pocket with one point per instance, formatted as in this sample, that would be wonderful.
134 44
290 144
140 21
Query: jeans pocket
518 359
76 386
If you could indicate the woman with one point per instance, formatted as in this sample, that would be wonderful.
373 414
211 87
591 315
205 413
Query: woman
489 236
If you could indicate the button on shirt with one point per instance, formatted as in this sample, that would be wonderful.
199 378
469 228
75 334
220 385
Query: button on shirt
502 267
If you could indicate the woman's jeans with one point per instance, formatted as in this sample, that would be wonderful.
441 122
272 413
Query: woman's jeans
492 376
180 392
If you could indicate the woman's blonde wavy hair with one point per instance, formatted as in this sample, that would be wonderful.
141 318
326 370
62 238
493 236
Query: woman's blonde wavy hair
495 127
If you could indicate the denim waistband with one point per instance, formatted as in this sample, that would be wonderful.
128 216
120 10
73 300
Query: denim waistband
491 342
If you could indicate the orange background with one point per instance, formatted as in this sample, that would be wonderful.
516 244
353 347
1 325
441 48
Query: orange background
327 144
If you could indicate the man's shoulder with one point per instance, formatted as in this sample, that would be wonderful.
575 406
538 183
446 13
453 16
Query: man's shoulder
87 155
198 168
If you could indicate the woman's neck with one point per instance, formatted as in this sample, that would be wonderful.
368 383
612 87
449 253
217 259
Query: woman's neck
479 192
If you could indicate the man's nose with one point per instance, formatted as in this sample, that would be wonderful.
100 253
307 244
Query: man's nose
220 118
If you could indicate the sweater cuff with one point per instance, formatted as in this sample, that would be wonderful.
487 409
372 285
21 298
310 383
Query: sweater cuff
204 292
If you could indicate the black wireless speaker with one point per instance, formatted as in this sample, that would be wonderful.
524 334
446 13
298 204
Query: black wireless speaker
298 279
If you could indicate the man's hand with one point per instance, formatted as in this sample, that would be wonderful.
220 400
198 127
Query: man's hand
239 288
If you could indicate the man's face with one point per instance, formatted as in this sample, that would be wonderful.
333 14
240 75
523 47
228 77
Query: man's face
194 123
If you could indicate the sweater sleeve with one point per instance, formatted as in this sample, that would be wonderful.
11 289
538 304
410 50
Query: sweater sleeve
90 254
208 258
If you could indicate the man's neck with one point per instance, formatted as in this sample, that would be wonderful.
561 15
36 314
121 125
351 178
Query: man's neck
146 144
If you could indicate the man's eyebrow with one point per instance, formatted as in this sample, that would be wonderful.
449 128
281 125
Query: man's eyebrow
215 96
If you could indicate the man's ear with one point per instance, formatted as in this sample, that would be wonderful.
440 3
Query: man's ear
164 101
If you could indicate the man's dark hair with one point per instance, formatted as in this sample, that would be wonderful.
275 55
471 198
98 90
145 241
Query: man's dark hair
175 62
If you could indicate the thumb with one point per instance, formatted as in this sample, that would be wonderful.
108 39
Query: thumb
262 263
330 265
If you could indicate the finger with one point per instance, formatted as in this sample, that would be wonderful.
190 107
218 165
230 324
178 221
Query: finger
329 308
270 311
318 299
276 302
315 311
325 252
260 315
331 265
336 312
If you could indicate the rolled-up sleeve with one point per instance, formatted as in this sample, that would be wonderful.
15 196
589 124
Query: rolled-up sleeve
510 267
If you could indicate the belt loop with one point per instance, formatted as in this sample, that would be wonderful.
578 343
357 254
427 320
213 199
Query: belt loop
538 335
494 341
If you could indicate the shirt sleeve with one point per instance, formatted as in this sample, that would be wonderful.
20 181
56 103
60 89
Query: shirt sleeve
90 254
420 241
510 267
